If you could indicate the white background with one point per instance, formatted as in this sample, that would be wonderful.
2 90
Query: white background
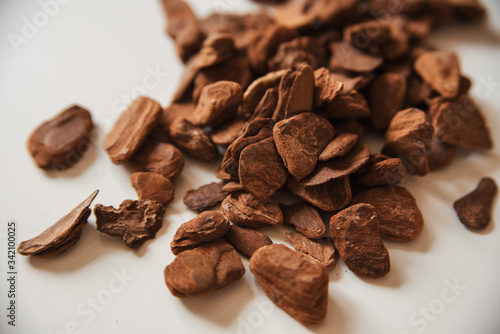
94 52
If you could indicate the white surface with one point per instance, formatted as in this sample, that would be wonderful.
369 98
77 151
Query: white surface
93 52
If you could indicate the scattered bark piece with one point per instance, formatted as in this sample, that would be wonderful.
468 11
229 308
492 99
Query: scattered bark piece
218 103
245 210
205 197
441 70
339 146
162 158
321 250
305 218
153 187
193 140
246 240
474 209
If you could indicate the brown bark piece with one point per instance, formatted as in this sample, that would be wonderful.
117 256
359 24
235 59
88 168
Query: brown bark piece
226 133
348 58
60 236
153 187
351 82
183 27
460 122
367 35
254 93
264 45
246 240
339 167
293 281
205 197
218 103
203 270
388 94
193 140
300 140
339 146
267 105
333 195
441 70
326 87
134 221
169 114
162 158
261 170
245 210
321 250
400 218
356 237
305 218
232 187
60 142
205 227
301 93
474 209
131 129
236 69
381 170
349 105
298 52
304 13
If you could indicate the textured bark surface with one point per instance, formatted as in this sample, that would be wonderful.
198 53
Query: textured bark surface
203 270
134 221
305 218
245 210
356 236
295 282
474 209
339 146
205 227
205 197
131 129
192 139
441 70
321 250
60 142
399 216
62 235
162 158
246 240
218 103
153 187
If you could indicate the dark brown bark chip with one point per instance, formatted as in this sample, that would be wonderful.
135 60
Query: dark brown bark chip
226 133
62 235
153 187
352 82
338 167
232 187
245 210
387 94
474 209
379 172
326 87
255 92
297 53
193 140
205 197
267 105
321 250
355 233
301 93
134 221
60 142
131 129
348 58
205 227
339 146
261 170
236 69
400 218
203 270
293 281
305 218
441 70
162 158
413 154
349 105
367 35
246 240
218 103
183 27
460 122
300 140
333 195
